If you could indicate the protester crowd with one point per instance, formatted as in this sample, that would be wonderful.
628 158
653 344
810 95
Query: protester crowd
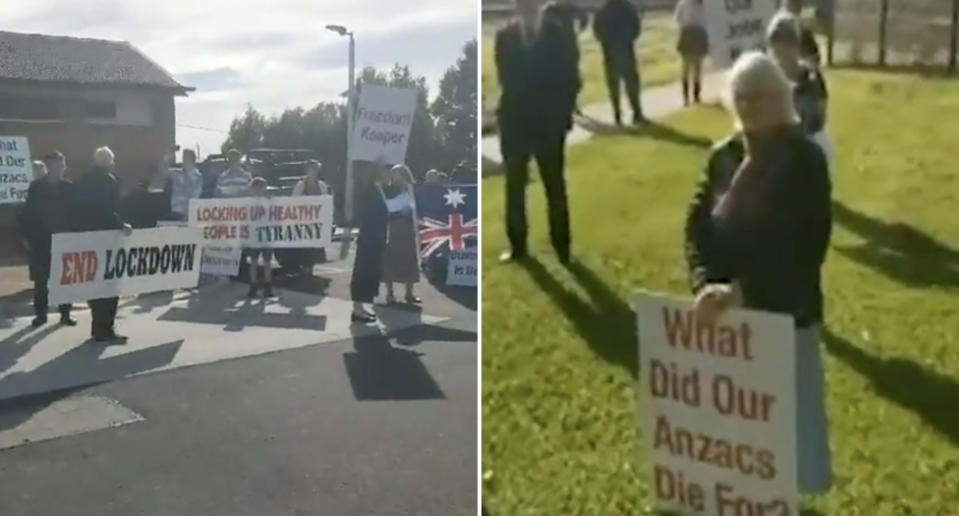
759 224
387 250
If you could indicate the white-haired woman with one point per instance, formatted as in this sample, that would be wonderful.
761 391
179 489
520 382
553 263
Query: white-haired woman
784 40
757 231
401 257
96 196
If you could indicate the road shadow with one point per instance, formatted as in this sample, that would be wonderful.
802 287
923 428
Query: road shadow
930 395
19 344
898 250
146 303
223 307
650 129
607 325
378 371
53 378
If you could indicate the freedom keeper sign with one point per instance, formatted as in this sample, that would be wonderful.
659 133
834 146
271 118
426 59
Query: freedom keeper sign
736 26
265 222
16 169
719 409
461 269
99 264
382 126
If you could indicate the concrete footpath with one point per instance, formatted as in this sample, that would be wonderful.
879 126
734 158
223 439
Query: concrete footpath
220 405
657 101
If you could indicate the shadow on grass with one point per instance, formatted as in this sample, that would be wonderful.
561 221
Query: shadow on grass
607 325
930 395
898 250
651 129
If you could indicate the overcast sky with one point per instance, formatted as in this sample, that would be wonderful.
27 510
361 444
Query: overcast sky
240 51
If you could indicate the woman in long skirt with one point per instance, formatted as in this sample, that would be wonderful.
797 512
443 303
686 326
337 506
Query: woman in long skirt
401 261
693 45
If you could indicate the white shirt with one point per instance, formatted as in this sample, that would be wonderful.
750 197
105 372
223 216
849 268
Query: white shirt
301 186
186 185
690 13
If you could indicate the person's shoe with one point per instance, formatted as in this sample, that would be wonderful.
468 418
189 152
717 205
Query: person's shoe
563 256
512 256
111 338
618 119
252 292
268 291
363 318
639 119
66 320
38 321
413 300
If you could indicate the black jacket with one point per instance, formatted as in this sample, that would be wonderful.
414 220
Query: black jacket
616 24
95 201
46 211
775 254
539 80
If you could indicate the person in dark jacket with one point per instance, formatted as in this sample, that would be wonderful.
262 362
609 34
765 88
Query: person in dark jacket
95 199
367 264
573 17
807 40
617 25
45 213
809 88
757 233
538 65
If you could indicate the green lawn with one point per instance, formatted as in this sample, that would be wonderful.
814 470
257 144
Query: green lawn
658 60
560 411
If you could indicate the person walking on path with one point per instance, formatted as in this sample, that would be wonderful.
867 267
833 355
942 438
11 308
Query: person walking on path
185 184
809 87
45 213
617 26
693 46
757 233
401 257
235 180
368 263
95 199
538 67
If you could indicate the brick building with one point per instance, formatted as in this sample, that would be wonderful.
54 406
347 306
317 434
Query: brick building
75 94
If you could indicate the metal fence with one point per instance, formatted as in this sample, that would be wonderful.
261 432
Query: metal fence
895 33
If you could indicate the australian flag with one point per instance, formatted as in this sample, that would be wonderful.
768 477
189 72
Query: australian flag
448 219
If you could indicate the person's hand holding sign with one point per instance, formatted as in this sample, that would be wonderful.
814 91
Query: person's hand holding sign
127 230
714 299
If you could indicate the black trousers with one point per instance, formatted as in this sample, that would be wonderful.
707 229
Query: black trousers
620 65
41 304
40 273
104 312
549 155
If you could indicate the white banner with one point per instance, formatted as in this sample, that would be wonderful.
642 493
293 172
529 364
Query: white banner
461 270
719 407
383 121
99 264
267 222
16 169
215 260
736 26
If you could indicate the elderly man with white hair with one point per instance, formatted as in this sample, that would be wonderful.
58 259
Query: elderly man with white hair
757 234
96 196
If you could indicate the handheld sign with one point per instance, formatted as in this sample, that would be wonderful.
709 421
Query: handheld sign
719 406
736 26
99 264
461 269
16 169
384 118
215 260
265 222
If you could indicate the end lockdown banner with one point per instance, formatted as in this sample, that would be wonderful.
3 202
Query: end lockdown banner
265 222
736 26
16 169
719 407
383 121
99 264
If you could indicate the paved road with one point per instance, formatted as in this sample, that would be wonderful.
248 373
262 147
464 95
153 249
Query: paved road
218 406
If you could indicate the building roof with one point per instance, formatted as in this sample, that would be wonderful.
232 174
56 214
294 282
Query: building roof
39 57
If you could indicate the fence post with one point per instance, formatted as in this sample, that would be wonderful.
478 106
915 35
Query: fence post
883 18
954 40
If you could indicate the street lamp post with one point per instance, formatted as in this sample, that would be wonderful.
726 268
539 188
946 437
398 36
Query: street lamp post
350 99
